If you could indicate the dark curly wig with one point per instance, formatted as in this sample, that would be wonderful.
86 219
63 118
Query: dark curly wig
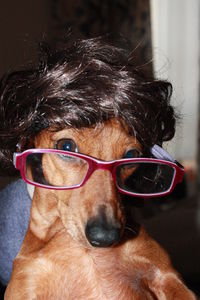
81 84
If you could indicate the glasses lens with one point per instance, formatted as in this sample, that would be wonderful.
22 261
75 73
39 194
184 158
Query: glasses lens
145 177
55 170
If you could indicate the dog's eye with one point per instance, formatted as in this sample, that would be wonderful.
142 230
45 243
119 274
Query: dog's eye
66 145
132 153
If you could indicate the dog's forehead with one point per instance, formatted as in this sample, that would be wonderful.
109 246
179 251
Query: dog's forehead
106 136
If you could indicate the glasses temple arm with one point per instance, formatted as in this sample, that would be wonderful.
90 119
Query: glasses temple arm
14 158
160 153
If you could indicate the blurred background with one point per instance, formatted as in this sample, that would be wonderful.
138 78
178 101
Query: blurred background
165 38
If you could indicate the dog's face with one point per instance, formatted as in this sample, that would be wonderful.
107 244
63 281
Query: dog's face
91 214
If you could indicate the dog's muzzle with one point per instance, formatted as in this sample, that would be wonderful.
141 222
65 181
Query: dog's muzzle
102 234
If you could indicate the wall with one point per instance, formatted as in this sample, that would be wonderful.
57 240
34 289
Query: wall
175 34
22 24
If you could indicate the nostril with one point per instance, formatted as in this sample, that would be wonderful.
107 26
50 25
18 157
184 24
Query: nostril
100 235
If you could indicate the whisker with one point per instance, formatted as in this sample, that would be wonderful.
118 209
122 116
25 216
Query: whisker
130 229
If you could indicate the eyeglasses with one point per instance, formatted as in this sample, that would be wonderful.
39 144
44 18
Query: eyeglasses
64 170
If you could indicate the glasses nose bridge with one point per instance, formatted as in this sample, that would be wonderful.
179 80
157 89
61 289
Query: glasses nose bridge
103 165
96 165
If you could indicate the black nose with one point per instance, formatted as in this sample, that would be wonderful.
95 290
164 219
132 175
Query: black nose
102 234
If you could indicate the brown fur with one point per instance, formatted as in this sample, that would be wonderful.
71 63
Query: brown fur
57 262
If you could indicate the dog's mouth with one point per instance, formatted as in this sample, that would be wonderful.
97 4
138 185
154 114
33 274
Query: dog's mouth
103 230
105 235
102 234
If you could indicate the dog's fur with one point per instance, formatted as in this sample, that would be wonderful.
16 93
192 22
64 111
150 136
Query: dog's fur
56 260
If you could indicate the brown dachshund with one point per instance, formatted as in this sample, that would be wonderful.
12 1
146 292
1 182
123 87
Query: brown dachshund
58 259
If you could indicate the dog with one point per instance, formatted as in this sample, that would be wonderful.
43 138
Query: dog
87 108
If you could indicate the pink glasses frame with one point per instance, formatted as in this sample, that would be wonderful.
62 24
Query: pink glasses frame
19 161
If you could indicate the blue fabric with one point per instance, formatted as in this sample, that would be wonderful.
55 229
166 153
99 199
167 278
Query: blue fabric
15 206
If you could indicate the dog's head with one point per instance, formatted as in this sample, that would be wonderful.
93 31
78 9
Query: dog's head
93 210
90 94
